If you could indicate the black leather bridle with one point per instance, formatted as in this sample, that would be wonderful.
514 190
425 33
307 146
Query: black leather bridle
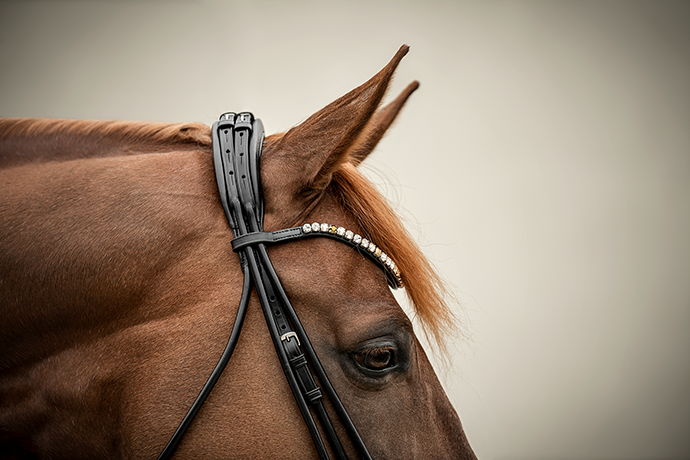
237 144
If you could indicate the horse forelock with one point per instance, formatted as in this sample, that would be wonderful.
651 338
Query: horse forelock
39 140
427 290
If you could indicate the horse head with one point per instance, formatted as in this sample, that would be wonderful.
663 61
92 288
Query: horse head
119 288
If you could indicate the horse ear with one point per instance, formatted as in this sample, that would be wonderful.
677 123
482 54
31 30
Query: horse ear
379 124
301 162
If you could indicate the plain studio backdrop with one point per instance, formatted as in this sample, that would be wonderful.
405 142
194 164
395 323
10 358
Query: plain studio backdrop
544 165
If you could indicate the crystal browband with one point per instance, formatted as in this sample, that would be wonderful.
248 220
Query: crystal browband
363 245
360 243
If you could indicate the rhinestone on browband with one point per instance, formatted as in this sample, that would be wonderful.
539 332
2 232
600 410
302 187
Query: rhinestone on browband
360 243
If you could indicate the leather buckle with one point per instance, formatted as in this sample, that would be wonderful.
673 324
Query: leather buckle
286 337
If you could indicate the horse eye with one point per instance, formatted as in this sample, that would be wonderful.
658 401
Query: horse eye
376 359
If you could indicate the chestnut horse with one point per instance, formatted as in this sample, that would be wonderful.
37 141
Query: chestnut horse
118 289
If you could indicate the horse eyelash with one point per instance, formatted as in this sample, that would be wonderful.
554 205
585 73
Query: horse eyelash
378 350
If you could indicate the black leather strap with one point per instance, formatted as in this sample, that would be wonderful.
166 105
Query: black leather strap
280 236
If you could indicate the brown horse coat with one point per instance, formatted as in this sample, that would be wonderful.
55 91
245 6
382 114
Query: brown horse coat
118 289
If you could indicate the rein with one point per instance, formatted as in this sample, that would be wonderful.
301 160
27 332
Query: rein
237 144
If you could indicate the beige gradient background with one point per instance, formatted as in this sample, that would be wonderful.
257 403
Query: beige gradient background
545 159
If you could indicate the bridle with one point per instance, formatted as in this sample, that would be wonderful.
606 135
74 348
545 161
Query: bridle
237 144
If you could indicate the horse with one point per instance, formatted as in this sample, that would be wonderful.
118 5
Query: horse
118 288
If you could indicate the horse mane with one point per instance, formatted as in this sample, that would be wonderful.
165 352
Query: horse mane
40 140
426 289
379 222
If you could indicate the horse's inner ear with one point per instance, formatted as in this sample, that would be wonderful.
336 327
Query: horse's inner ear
302 161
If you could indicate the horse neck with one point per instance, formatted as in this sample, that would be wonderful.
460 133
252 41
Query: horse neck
40 140
92 246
